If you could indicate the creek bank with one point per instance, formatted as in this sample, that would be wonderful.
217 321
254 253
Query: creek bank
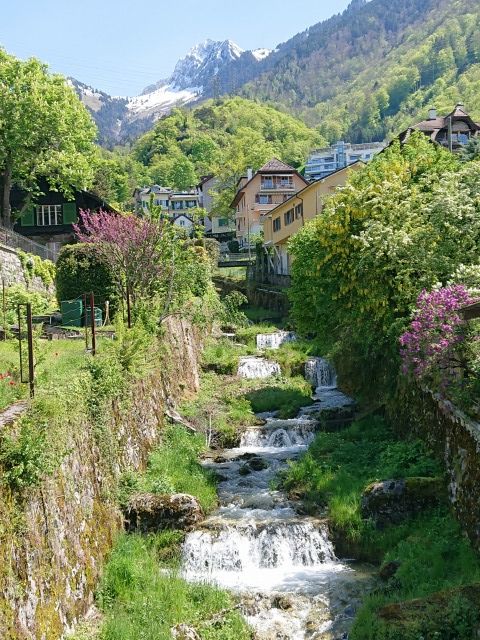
54 540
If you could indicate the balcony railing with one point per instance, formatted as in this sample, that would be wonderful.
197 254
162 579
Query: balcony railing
269 186
17 241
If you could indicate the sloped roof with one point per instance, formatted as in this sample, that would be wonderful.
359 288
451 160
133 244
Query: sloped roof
276 165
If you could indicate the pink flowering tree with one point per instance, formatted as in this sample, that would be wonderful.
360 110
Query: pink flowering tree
431 349
140 251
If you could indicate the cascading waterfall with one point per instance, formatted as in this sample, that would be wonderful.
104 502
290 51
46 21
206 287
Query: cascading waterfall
281 563
280 433
274 340
253 367
320 373
248 548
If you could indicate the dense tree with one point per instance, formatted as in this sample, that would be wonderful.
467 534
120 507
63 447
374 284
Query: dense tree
45 132
409 220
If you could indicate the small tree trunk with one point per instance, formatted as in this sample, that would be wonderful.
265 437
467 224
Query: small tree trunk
7 188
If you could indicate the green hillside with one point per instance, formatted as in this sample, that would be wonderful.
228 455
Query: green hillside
223 137
376 68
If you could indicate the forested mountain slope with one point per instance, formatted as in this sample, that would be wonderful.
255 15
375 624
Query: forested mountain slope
372 70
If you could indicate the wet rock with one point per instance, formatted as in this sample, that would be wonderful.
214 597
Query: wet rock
282 602
258 464
184 632
244 470
392 501
389 569
149 512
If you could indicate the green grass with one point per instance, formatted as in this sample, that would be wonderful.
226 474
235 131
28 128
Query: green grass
222 355
174 468
286 396
143 597
56 362
432 551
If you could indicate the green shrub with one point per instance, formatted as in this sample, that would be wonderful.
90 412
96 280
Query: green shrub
80 270
25 457
287 397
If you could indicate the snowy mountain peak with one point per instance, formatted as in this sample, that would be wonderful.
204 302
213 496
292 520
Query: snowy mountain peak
203 62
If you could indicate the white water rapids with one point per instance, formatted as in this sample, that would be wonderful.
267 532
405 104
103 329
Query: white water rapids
257 544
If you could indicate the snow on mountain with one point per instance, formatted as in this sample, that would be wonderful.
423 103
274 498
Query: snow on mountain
261 54
194 77
162 99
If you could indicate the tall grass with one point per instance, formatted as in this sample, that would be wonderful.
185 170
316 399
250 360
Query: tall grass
142 598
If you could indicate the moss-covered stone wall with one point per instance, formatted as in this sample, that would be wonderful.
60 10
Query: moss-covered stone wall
54 542
456 439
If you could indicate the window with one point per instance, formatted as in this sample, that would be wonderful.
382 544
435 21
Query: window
49 215
179 204
289 217
223 222
267 183
263 199
191 204
298 211
277 224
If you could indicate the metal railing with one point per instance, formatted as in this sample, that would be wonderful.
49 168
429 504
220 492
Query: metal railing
235 257
15 240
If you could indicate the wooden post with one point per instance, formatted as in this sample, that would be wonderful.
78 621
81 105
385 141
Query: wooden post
20 354
129 310
4 308
85 323
31 365
92 322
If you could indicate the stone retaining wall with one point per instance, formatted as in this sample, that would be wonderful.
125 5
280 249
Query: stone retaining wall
456 439
53 543
11 271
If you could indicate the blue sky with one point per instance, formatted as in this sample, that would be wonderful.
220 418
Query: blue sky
120 46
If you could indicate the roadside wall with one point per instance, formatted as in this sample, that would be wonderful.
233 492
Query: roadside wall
456 438
53 546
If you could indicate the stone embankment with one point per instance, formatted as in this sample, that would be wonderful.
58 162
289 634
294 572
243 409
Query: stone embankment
54 539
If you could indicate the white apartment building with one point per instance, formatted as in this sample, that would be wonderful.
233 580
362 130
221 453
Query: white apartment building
323 162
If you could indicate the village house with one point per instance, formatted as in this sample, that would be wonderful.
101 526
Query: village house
49 219
179 205
286 219
257 194
222 228
452 131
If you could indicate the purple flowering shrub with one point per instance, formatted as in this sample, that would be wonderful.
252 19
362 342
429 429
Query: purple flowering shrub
431 349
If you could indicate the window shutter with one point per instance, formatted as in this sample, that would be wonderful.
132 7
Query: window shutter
28 216
69 213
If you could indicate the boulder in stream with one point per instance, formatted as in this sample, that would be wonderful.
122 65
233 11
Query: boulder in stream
392 501
150 512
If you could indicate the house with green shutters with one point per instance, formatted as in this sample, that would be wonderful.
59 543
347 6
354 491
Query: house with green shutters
49 219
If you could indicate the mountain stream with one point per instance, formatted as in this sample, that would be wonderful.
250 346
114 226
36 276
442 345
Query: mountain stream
260 545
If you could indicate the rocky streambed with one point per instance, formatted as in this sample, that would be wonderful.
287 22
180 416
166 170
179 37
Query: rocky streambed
258 543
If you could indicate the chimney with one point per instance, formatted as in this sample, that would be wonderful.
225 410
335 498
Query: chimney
432 114
249 173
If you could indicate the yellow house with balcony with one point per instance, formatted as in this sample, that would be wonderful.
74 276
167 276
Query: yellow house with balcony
288 218
257 194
